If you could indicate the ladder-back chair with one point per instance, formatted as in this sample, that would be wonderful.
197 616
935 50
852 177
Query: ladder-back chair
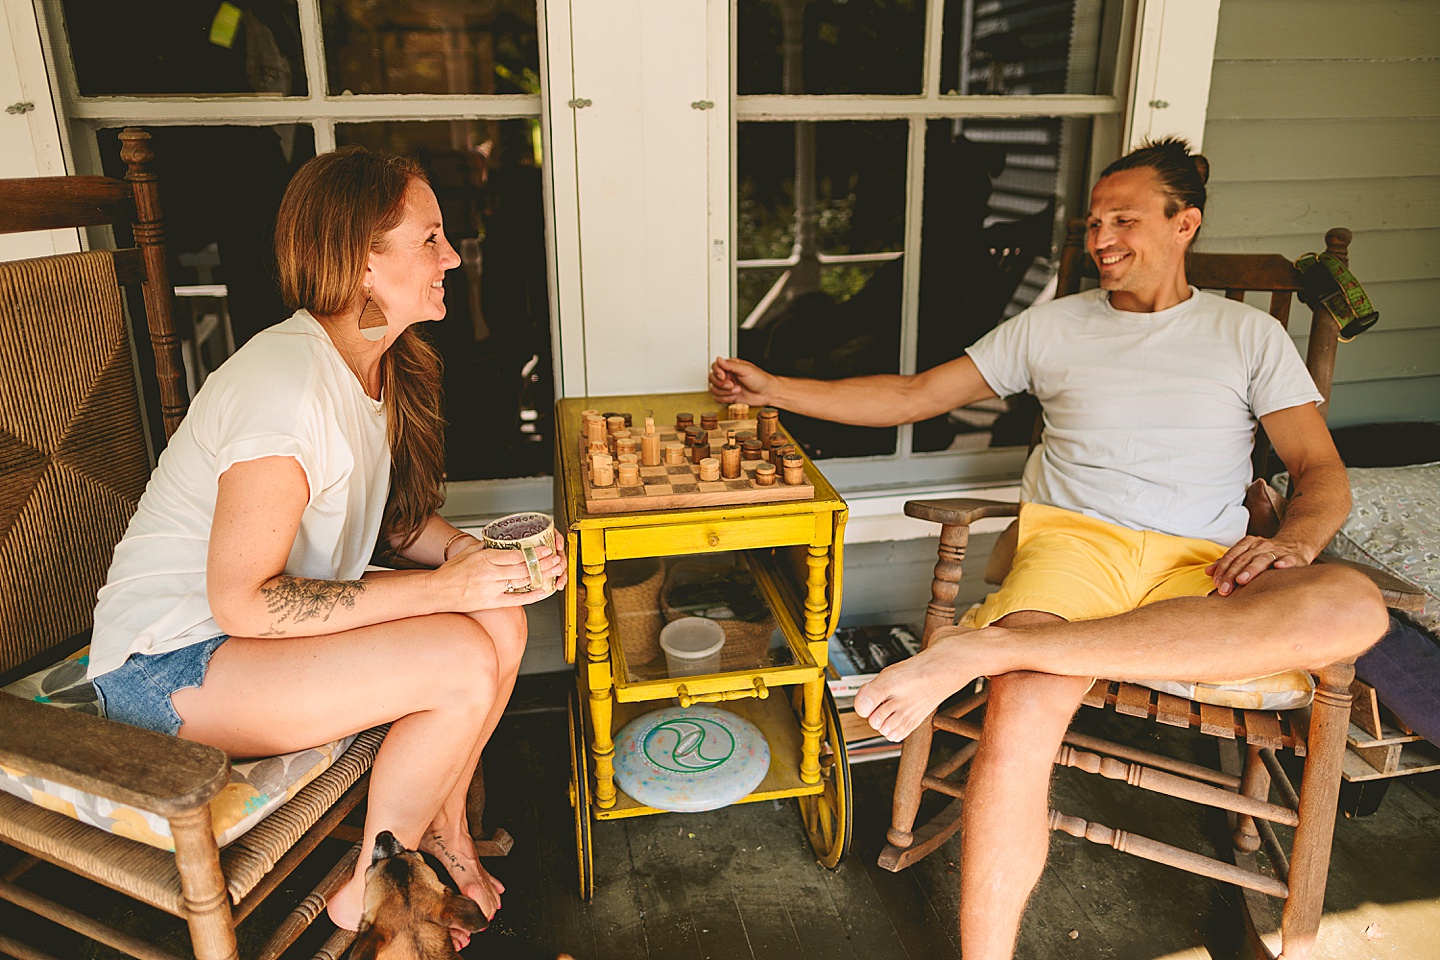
168 822
1243 789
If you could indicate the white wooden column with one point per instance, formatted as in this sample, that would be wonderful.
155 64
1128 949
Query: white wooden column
29 130
1174 48
640 149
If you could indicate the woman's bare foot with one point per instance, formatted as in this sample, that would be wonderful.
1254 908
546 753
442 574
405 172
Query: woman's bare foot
455 850
347 904
900 698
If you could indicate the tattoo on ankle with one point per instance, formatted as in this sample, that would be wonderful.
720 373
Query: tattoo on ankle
299 599
454 861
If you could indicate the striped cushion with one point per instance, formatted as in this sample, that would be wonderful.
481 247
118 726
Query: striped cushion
255 789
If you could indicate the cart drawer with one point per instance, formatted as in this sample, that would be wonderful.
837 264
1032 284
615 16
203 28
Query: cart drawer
730 533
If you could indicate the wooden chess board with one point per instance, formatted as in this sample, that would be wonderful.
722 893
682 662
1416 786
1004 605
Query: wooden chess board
678 486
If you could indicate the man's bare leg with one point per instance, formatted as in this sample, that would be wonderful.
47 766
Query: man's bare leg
1005 836
1307 618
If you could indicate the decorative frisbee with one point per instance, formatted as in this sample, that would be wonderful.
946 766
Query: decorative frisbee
700 758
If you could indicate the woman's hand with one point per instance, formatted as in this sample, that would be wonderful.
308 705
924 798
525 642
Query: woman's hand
1251 557
482 578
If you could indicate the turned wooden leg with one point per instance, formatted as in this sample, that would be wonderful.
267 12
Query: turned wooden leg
498 842
1254 783
202 885
1319 797
915 754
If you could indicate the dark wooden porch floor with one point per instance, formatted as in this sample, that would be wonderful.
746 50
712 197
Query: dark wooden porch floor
741 883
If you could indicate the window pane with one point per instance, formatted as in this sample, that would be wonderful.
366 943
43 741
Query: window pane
829 46
1021 47
219 190
836 215
414 46
995 197
181 47
495 338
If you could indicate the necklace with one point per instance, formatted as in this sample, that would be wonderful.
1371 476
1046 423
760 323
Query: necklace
348 359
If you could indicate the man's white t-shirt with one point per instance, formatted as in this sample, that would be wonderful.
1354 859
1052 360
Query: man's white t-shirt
285 393
1149 417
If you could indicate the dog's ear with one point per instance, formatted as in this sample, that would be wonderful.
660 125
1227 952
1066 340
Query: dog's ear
464 913
368 943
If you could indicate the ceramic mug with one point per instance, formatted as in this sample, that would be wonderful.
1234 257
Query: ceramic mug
528 532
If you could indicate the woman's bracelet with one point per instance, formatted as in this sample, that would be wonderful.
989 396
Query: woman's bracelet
445 550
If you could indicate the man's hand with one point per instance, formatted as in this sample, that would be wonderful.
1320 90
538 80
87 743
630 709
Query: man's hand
738 381
1251 557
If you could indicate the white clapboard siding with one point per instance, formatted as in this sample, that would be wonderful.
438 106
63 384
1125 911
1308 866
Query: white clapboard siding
1327 113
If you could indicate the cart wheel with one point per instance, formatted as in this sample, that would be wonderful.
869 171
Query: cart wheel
580 797
828 816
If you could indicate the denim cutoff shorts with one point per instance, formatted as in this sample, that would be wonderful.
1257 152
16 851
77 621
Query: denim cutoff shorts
138 691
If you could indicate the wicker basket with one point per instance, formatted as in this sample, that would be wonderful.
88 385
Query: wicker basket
745 640
635 602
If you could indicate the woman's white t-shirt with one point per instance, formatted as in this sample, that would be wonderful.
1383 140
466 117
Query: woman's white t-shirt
286 393
1149 417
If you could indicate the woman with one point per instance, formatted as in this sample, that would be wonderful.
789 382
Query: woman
238 611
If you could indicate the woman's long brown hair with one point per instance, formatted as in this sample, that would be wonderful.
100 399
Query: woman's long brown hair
338 208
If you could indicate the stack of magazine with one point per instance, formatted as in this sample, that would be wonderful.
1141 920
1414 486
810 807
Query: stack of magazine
856 655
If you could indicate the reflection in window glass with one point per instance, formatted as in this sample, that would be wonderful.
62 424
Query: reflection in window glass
832 225
219 190
184 47
992 206
495 338
1019 47
414 46
829 46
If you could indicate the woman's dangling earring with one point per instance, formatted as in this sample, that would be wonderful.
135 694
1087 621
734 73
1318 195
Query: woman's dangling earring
373 323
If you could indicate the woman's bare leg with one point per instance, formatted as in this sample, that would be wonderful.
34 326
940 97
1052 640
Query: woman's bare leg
448 836
436 679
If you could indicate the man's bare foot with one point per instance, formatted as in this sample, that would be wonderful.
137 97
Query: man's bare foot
347 904
455 850
900 698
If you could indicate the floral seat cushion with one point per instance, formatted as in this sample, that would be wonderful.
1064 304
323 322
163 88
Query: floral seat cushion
255 789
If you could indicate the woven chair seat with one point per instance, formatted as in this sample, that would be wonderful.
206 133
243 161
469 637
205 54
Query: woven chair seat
256 788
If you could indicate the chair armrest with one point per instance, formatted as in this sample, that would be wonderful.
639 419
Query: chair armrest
151 771
959 512
1399 594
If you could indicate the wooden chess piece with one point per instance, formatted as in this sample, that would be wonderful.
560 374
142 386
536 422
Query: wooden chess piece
752 449
629 473
709 469
585 416
765 474
603 470
794 466
739 411
772 446
683 422
626 444
650 446
730 461
766 423
674 454
709 421
614 423
699 446
595 429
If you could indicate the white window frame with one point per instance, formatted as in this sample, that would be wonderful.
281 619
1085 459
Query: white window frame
1163 54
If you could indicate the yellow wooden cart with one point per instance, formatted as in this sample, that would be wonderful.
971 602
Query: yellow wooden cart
792 548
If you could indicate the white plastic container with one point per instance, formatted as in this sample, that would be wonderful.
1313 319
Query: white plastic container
692 646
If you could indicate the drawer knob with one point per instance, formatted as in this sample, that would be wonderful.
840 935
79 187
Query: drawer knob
714 539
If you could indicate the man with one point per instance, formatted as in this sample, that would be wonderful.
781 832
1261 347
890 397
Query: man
1132 530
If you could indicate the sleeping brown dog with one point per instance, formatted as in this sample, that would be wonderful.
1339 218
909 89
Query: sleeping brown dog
408 911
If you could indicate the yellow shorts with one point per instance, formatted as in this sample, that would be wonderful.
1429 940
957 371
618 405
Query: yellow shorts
1081 568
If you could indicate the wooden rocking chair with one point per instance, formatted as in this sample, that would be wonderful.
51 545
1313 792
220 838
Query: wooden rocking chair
1242 789
73 463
